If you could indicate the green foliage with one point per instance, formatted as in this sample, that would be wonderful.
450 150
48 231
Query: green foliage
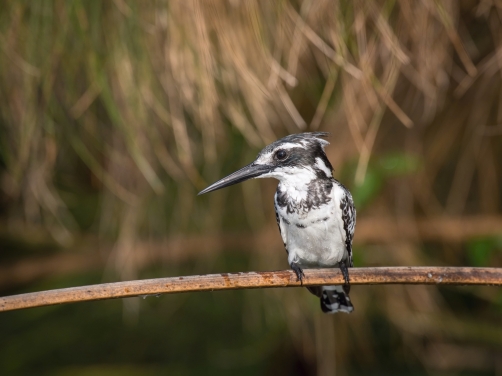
369 189
398 164
114 114
380 169
481 251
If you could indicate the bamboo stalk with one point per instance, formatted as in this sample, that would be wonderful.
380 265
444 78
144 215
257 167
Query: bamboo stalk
283 278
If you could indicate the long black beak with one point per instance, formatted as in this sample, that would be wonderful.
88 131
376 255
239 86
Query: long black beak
250 171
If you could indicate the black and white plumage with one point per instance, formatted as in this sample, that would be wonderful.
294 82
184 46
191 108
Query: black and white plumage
315 213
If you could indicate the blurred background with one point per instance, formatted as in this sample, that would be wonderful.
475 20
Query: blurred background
113 115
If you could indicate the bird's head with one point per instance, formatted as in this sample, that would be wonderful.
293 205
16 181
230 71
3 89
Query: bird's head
292 159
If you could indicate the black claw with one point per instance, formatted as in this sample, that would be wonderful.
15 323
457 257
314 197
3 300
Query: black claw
345 272
298 271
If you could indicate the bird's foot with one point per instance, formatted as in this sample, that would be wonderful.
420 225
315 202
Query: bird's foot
345 273
298 271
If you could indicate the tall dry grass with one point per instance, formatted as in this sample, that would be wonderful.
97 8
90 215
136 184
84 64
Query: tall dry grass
136 106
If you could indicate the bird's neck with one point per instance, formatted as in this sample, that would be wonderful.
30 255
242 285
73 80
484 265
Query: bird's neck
298 179
302 193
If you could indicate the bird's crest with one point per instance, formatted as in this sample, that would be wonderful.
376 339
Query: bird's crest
301 139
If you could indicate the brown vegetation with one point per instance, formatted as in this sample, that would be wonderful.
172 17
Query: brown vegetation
115 114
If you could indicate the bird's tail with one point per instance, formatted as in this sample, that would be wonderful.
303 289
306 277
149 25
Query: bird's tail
333 298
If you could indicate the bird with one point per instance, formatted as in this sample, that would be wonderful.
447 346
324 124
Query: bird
314 211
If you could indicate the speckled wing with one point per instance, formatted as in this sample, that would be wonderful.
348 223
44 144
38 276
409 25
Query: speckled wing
349 221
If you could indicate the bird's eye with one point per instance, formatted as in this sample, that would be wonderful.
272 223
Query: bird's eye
281 155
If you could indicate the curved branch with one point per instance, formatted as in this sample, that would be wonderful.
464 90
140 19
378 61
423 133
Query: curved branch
284 278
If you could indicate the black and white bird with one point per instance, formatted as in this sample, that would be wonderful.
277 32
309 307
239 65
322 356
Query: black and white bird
315 212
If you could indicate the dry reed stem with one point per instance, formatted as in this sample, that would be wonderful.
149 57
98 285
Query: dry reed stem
284 278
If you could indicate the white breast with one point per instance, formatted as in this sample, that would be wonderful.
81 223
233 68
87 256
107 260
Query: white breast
315 238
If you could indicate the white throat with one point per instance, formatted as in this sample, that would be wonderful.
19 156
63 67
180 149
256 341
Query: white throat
293 180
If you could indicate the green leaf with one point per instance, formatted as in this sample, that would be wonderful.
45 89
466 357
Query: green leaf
369 189
479 251
398 164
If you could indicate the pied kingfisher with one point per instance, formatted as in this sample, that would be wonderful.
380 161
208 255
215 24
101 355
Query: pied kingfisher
315 212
